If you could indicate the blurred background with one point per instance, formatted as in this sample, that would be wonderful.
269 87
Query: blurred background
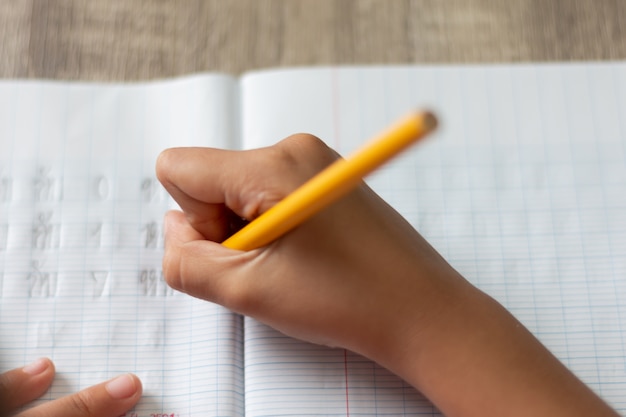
121 40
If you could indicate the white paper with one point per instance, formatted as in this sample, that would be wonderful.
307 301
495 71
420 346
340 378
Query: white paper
81 249
522 189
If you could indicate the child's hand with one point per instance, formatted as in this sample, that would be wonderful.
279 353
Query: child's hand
358 276
348 277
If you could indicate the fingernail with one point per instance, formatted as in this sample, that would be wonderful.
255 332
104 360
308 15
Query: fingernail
121 387
37 366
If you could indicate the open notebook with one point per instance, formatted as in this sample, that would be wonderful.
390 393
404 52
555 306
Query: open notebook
522 189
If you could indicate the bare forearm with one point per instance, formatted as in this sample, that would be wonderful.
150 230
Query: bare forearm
478 360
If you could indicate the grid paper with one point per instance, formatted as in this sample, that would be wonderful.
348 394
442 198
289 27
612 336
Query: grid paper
81 250
523 190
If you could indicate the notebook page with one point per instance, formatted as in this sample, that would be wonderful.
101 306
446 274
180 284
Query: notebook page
285 376
522 189
81 241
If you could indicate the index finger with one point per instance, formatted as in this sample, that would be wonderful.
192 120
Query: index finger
217 188
108 399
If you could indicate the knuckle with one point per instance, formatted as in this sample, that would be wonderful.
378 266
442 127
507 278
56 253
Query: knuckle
82 403
171 272
305 148
299 157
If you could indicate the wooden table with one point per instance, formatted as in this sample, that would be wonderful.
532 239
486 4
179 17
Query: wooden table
138 40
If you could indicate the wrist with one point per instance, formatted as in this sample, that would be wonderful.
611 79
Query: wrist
471 351
434 322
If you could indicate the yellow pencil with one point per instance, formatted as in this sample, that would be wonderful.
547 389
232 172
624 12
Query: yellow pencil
331 184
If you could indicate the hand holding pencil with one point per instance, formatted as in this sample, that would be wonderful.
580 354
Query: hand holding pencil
332 183
355 275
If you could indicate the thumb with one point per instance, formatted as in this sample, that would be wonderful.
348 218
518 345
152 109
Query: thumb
202 268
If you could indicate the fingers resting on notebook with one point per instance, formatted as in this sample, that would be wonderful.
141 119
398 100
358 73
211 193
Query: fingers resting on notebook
20 386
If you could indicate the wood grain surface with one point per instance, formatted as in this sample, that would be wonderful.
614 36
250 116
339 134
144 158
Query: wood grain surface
139 40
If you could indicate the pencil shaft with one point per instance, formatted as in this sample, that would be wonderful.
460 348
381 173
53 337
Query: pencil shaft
331 184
